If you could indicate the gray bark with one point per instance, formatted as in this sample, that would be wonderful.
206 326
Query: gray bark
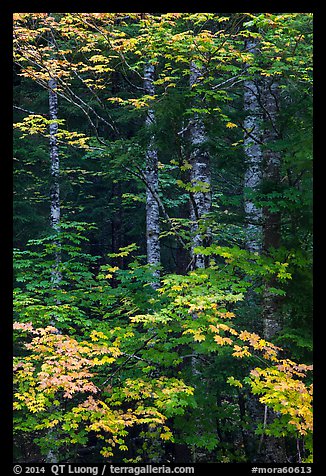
56 276
263 231
263 228
253 158
54 155
55 175
200 175
200 206
152 206
152 219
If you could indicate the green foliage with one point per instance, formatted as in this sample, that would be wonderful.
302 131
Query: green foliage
129 335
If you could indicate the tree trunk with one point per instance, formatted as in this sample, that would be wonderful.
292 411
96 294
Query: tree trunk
55 175
152 220
272 220
253 158
200 206
152 207
263 231
272 161
200 176
56 277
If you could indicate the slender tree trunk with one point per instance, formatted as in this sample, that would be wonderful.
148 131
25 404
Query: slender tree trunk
253 216
54 155
272 220
263 231
263 164
56 277
200 206
152 220
152 207
253 158
200 175
55 175
55 214
272 160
